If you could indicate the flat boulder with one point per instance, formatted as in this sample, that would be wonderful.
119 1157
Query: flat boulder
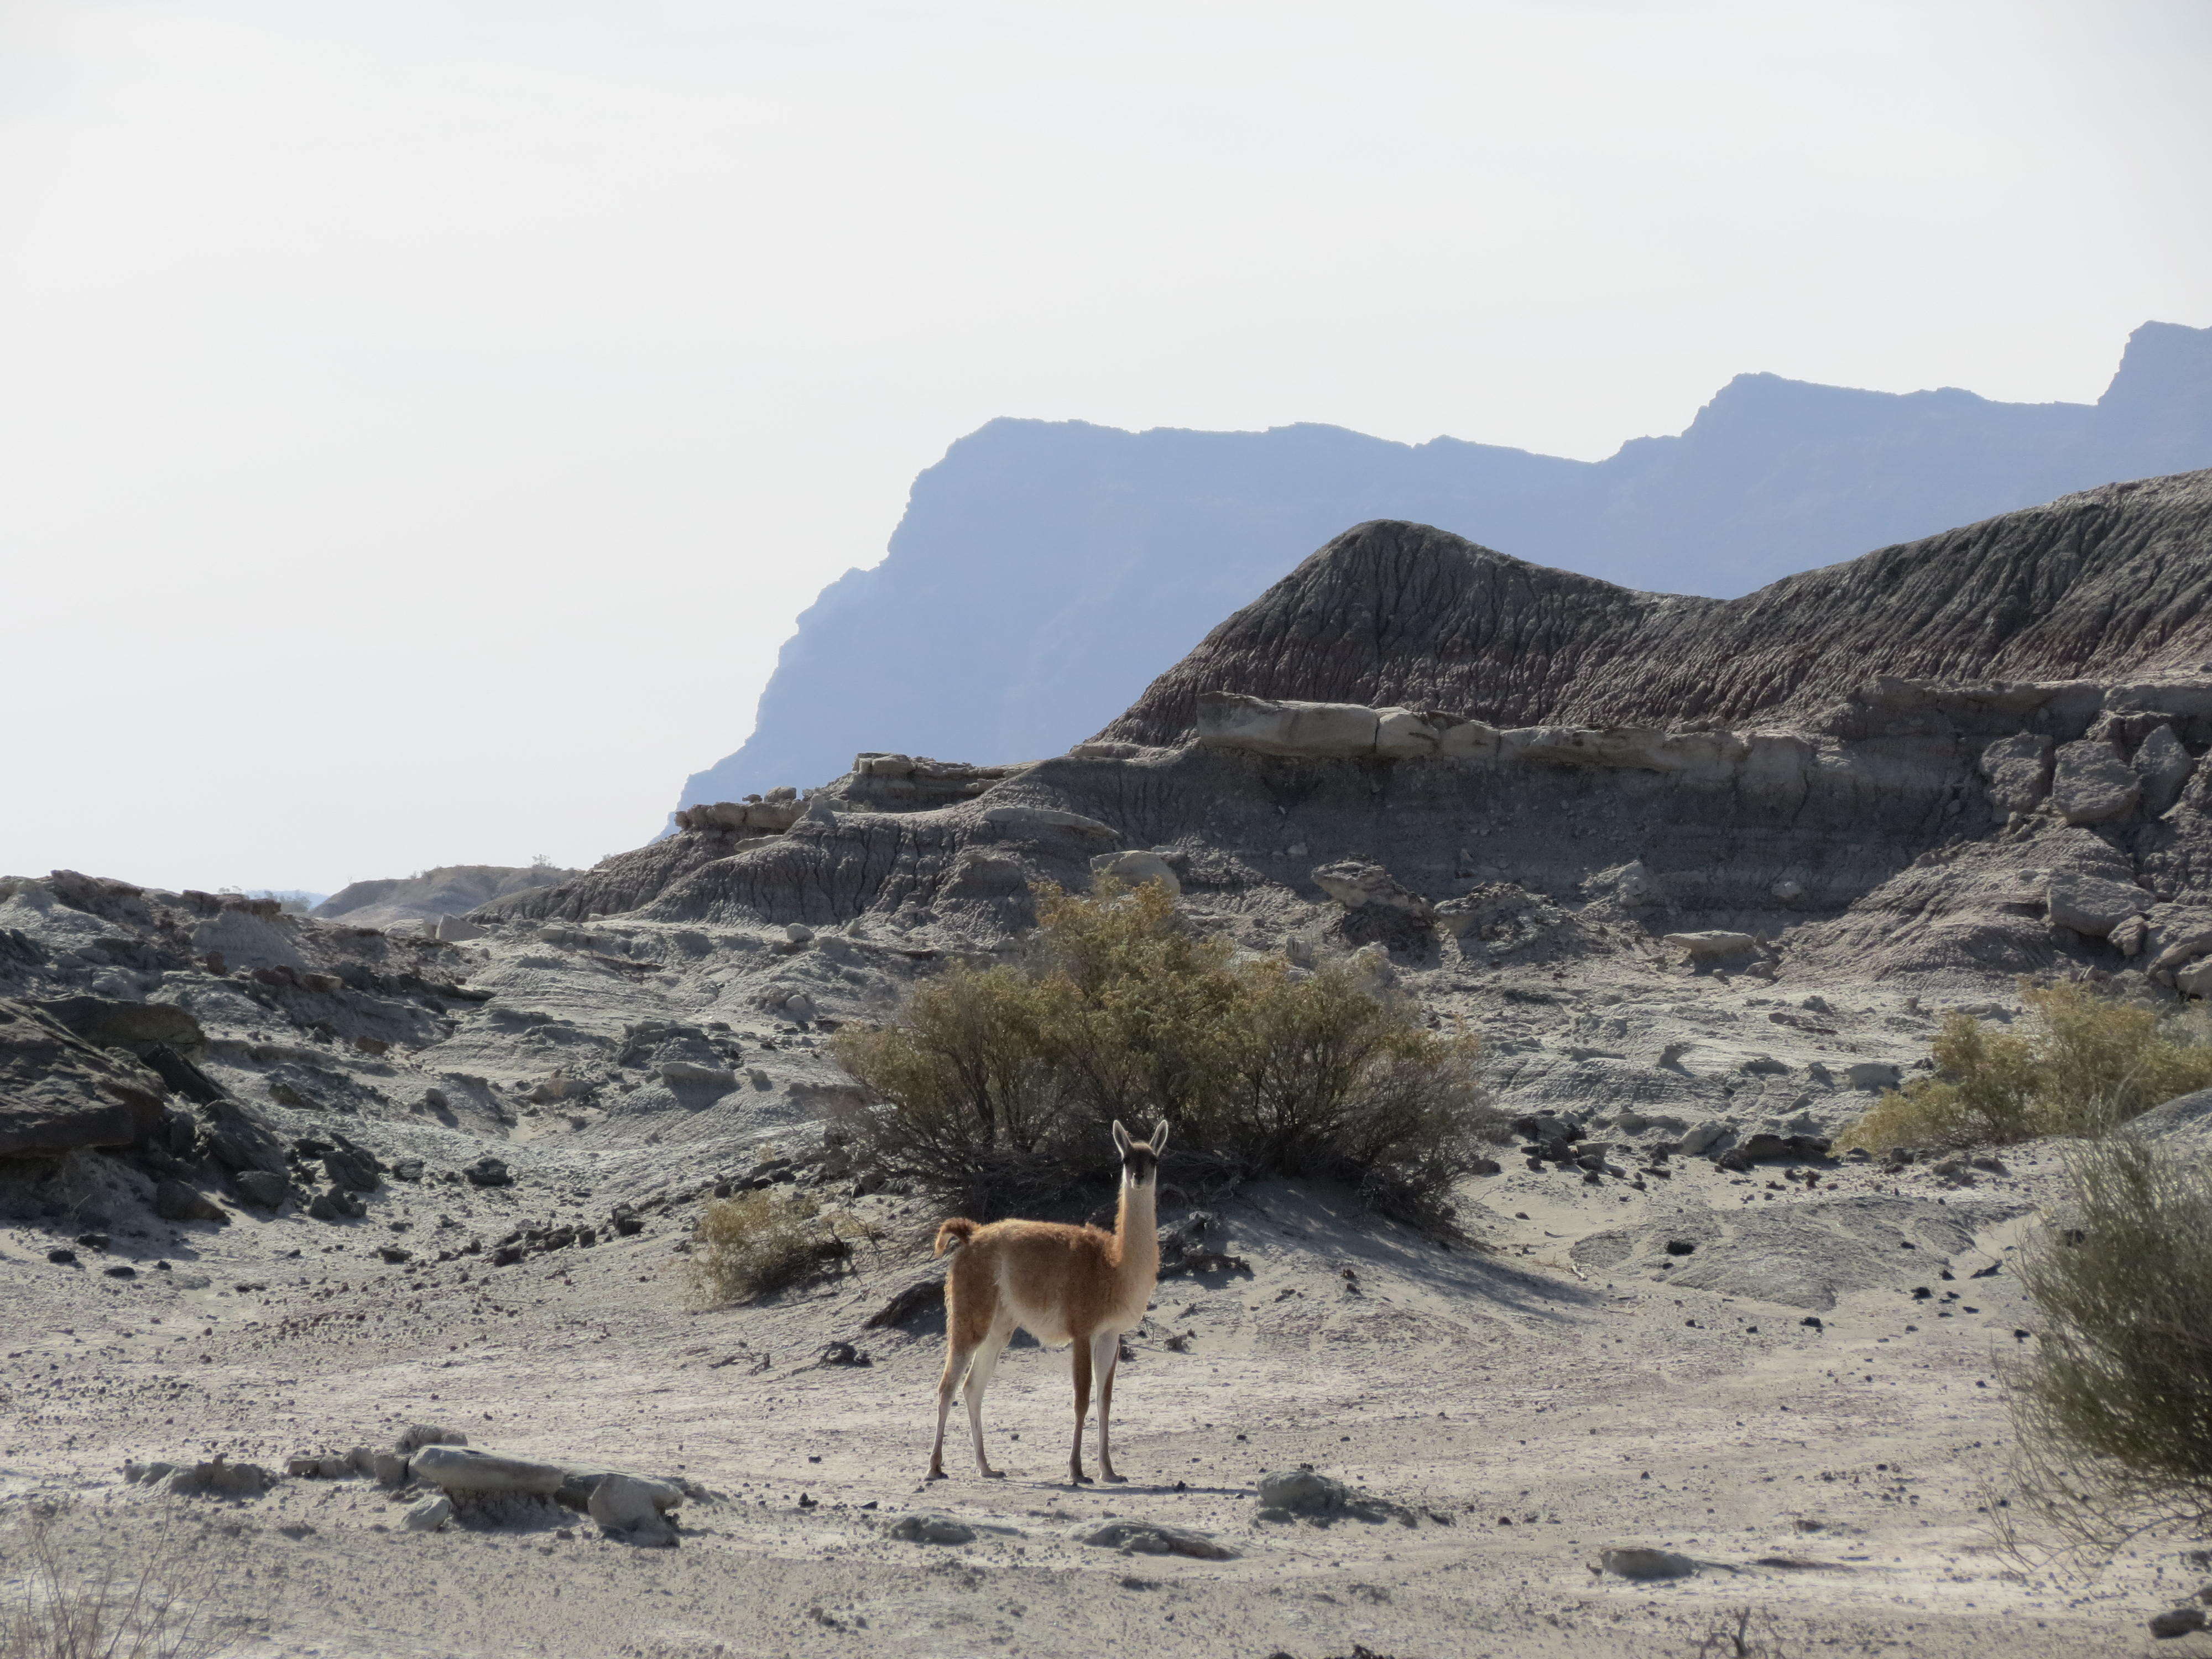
1354 884
2093 906
1152 1538
1712 944
466 1472
2091 784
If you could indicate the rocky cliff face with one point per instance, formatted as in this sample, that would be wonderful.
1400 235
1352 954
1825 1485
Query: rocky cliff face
1044 572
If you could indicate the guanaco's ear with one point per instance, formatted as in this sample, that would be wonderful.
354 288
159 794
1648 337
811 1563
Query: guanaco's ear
1160 1138
1120 1139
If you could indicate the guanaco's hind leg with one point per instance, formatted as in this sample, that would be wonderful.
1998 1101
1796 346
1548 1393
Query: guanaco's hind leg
979 1378
957 1361
1105 1357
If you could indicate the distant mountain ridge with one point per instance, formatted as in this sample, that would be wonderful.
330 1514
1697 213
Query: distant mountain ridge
1044 572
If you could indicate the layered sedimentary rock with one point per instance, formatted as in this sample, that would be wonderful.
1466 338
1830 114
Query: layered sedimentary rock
2105 586
1979 753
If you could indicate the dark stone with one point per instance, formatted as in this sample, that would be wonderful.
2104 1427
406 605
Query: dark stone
121 1270
393 1254
93 1241
261 1188
2178 1622
351 1170
62 1258
487 1172
58 1092
175 1201
1680 1247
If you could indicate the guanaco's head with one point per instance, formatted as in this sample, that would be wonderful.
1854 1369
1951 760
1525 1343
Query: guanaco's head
1140 1159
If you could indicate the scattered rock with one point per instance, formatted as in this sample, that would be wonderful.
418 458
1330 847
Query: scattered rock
431 1514
1712 944
62 1258
928 1529
2180 1621
1642 1562
1153 1538
630 1509
487 1172
2091 784
918 1298
219 1477
1354 884
175 1201
261 1188
686 1070
1302 1492
417 1436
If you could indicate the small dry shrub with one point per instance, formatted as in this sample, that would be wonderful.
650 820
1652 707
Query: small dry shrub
147 1598
757 1243
2085 1064
2113 1408
996 1086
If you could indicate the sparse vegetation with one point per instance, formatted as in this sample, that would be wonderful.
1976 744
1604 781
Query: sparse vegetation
2113 1409
2085 1064
996 1086
149 1600
1746 1633
756 1243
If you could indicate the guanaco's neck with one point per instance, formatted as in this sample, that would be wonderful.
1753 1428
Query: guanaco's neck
1137 1229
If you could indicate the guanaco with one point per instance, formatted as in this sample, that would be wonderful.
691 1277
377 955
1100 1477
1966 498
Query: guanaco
1061 1284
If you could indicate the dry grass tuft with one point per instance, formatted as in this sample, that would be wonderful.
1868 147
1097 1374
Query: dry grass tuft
2113 1409
2085 1064
995 1087
149 1600
757 1243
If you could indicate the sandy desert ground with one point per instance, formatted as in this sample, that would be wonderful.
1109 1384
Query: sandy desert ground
1516 1409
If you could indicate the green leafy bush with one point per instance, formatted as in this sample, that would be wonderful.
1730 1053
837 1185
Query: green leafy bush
2085 1064
996 1086
757 1243
2113 1408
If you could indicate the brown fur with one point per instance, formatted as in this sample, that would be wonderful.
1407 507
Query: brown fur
1061 1284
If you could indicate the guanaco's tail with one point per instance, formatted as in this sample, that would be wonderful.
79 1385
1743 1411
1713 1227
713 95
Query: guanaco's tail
954 1233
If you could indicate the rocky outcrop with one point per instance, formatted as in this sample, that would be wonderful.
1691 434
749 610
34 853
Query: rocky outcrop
451 890
1045 571
2109 587
58 1092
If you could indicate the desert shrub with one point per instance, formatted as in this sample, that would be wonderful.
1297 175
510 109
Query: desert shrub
756 1243
2112 1409
147 1598
2086 1063
996 1086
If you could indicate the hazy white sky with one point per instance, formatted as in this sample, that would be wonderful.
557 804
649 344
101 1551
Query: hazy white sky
421 423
